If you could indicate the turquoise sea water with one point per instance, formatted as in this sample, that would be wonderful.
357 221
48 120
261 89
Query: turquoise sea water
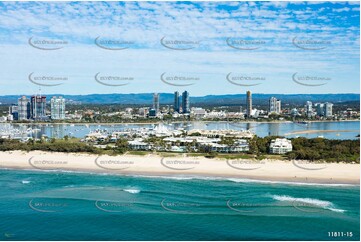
78 206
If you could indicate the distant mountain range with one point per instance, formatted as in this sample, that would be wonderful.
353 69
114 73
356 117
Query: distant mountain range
167 98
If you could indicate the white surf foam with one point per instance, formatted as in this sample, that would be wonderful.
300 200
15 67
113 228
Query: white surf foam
133 191
244 180
314 202
290 183
337 210
165 177
238 180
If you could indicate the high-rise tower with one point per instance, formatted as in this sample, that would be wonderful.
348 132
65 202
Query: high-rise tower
156 102
249 104
185 102
176 105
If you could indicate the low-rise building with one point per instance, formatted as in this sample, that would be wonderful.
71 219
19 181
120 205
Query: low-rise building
216 114
240 145
280 146
222 148
139 145
198 112
222 133
177 149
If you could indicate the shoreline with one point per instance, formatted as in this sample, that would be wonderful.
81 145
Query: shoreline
237 179
184 167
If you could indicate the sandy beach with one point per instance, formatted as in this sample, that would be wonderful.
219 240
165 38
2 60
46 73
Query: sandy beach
270 170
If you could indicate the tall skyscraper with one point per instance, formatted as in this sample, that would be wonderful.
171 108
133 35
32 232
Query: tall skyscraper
185 102
24 110
324 109
57 108
10 116
156 102
278 106
308 109
320 109
274 105
249 104
328 110
14 111
38 105
176 102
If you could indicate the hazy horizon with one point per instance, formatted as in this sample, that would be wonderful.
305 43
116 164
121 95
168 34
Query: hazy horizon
180 93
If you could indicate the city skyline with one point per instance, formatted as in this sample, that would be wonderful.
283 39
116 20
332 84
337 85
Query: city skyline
35 108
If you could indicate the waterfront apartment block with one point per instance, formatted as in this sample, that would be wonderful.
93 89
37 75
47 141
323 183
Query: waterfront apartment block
328 110
38 106
185 102
24 110
324 109
274 105
308 109
57 108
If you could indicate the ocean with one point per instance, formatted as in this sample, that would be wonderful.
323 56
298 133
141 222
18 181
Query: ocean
38 205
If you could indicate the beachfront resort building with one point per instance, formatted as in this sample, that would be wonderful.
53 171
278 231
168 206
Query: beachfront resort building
138 144
222 148
280 146
240 145
210 144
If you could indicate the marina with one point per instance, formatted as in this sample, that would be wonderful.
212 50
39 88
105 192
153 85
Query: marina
329 130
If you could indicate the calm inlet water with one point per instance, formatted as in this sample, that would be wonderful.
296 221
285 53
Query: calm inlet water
342 130
72 206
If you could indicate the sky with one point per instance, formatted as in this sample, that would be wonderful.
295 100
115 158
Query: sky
207 48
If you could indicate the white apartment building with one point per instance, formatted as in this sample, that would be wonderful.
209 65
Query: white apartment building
274 105
280 146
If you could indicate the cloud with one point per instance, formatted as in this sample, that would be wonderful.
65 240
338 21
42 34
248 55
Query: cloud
354 3
339 10
145 23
